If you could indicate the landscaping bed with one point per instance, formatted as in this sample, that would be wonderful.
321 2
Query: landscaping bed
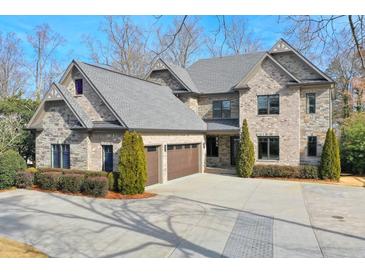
111 195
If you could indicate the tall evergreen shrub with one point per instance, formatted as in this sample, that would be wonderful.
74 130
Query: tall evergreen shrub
330 167
132 164
246 153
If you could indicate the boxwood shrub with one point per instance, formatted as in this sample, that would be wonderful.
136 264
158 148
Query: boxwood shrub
87 173
48 180
309 172
95 186
304 171
71 183
24 179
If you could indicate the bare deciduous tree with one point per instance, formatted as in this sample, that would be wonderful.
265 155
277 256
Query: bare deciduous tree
125 47
44 66
10 130
328 31
12 74
182 42
235 38
343 69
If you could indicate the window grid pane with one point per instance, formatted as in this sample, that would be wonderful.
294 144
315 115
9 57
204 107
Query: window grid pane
56 156
78 86
312 146
263 148
268 148
65 156
274 104
217 109
262 104
311 103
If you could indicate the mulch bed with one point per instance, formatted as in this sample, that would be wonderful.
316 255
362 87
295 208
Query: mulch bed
318 181
8 189
111 195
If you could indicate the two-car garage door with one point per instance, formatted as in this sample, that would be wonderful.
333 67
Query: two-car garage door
182 160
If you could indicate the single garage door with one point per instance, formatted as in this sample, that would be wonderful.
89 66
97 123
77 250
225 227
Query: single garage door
152 164
182 160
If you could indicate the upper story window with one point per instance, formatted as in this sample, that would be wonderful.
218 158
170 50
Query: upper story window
268 104
311 103
212 146
312 146
79 86
222 109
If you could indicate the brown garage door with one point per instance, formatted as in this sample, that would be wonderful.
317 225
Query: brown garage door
152 164
182 160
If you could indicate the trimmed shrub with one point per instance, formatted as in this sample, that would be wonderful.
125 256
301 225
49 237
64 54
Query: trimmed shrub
71 183
95 186
246 153
32 170
49 169
330 167
113 181
132 164
304 171
96 173
309 172
24 179
86 173
10 163
48 180
275 171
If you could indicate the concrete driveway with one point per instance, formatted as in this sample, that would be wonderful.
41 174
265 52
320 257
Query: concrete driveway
202 215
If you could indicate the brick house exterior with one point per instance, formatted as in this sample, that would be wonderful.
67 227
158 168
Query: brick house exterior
194 113
282 71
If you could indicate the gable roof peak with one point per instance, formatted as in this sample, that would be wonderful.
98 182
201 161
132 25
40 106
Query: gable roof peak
281 46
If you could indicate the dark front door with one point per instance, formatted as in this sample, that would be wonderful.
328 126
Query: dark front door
108 158
235 143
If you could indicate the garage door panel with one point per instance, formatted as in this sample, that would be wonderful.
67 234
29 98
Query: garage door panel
152 159
182 160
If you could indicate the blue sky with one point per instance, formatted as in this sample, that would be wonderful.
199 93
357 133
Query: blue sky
73 28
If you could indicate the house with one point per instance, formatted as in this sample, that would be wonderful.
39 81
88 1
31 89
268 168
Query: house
189 118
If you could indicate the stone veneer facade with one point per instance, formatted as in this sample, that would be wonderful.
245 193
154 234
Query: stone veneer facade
86 146
58 120
271 80
314 124
293 125
89 100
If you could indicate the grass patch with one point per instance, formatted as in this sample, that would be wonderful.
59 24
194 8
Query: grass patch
14 249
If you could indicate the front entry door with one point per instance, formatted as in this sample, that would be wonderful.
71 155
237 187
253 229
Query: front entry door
235 144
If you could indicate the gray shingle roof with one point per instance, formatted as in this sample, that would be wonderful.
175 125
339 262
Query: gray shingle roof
141 104
220 74
222 125
70 100
183 75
